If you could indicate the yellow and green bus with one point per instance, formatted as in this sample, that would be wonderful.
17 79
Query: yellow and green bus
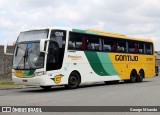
65 56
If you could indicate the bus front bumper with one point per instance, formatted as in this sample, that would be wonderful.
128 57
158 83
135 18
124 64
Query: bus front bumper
35 81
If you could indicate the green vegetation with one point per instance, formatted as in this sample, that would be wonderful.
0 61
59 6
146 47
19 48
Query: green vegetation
6 83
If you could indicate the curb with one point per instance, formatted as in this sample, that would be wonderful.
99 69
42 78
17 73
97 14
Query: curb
16 87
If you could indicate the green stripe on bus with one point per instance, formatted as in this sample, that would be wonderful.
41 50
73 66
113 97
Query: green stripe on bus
95 33
79 31
95 63
101 63
84 31
107 63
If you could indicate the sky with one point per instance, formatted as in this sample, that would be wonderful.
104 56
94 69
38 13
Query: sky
135 18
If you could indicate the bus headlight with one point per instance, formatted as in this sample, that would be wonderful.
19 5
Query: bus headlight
39 73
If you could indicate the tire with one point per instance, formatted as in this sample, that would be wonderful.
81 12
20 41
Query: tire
133 76
140 76
46 87
73 81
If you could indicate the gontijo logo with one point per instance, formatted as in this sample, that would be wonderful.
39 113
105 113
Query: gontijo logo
126 58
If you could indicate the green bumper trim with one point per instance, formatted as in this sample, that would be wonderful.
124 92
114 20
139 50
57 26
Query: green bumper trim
28 72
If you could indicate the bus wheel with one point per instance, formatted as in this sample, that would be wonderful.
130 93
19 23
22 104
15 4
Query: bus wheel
46 87
133 76
140 76
73 81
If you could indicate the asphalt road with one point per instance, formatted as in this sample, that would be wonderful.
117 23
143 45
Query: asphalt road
146 93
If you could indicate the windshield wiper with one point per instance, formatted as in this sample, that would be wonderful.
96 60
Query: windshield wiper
24 58
26 61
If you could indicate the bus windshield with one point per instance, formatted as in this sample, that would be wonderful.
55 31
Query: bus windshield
27 50
28 56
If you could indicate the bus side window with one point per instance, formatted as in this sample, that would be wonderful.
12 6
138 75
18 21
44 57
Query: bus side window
107 48
121 45
141 49
107 42
131 46
78 45
149 48
93 43
90 46
75 41
71 45
135 47
114 47
83 42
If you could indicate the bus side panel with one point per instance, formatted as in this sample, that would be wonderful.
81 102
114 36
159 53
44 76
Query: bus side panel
92 66
103 66
125 63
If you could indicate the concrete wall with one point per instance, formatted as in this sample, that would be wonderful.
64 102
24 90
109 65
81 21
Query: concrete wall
5 63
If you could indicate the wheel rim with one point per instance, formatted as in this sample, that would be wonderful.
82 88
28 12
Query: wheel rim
73 80
133 78
141 76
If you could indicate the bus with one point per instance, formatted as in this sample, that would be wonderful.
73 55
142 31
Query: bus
47 57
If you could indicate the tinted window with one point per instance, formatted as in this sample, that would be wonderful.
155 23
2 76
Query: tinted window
114 45
75 41
135 47
121 45
108 44
149 48
59 36
93 43
79 41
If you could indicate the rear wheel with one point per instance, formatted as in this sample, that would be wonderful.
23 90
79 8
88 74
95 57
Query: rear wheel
73 81
133 76
46 87
140 76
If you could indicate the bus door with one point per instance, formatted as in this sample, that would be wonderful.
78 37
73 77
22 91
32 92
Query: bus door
56 50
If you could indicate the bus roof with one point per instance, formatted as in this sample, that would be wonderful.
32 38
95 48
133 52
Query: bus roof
110 34
96 32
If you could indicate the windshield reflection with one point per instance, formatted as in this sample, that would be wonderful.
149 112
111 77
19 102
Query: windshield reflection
28 56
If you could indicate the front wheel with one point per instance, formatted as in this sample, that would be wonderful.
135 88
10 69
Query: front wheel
73 81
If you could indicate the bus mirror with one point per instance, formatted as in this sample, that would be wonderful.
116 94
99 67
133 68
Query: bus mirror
5 50
42 45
